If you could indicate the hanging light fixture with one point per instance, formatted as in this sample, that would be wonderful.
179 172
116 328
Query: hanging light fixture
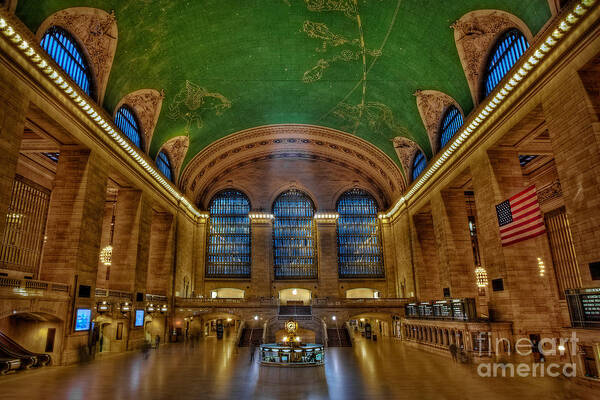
106 253
481 277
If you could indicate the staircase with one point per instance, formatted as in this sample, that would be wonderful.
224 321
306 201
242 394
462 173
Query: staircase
338 337
249 336
294 311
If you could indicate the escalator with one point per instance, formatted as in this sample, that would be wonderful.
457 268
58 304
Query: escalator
13 356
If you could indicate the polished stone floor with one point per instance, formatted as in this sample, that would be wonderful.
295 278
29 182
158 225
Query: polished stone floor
215 369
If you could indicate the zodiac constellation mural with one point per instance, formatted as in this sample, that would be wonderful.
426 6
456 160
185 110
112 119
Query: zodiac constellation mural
193 102
378 117
345 48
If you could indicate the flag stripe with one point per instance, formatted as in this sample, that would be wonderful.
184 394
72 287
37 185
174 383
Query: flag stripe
524 199
524 192
529 236
527 213
509 227
520 232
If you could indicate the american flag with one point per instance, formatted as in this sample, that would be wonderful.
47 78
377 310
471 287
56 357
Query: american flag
520 218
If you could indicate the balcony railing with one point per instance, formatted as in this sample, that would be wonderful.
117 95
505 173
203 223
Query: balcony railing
266 301
30 285
113 293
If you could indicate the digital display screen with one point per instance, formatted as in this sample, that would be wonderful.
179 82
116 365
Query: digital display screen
83 319
139 318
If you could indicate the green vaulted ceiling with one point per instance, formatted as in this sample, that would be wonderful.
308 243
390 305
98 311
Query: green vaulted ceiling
228 65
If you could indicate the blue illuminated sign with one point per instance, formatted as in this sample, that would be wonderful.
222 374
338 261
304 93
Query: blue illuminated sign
139 318
83 319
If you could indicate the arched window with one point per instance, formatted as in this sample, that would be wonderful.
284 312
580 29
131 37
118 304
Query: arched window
128 124
505 54
359 249
228 249
451 123
418 164
293 236
62 47
164 165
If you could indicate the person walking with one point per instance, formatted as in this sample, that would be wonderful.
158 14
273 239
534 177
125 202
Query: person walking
252 351
453 351
157 341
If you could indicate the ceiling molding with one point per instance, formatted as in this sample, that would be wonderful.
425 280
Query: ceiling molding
295 141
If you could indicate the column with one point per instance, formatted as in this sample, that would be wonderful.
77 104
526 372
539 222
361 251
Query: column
327 256
160 265
186 246
571 112
13 111
401 234
133 218
74 229
451 227
527 298
201 249
262 258
74 225
426 261
389 256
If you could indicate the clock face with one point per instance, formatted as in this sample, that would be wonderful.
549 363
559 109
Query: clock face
291 326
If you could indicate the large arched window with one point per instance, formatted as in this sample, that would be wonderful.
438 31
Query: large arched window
451 123
128 123
509 48
228 249
359 249
418 164
62 47
293 236
164 165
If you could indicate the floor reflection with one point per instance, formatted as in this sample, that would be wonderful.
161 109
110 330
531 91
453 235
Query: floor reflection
216 369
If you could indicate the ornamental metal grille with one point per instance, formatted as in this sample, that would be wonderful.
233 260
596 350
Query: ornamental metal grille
164 165
358 236
451 123
229 249
127 123
25 226
419 163
62 47
293 236
509 48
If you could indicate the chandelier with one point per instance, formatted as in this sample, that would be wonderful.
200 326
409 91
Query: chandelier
481 277
106 253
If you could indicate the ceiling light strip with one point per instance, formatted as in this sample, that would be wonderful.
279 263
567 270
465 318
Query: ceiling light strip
38 58
562 27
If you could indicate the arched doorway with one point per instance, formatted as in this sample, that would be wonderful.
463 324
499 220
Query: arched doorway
294 297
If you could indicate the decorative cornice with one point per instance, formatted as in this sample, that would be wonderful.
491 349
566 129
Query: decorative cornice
474 35
406 149
292 140
431 105
97 32
147 104
176 148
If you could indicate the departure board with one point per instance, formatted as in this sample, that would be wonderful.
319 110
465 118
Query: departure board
591 306
411 310
425 310
442 309
584 307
